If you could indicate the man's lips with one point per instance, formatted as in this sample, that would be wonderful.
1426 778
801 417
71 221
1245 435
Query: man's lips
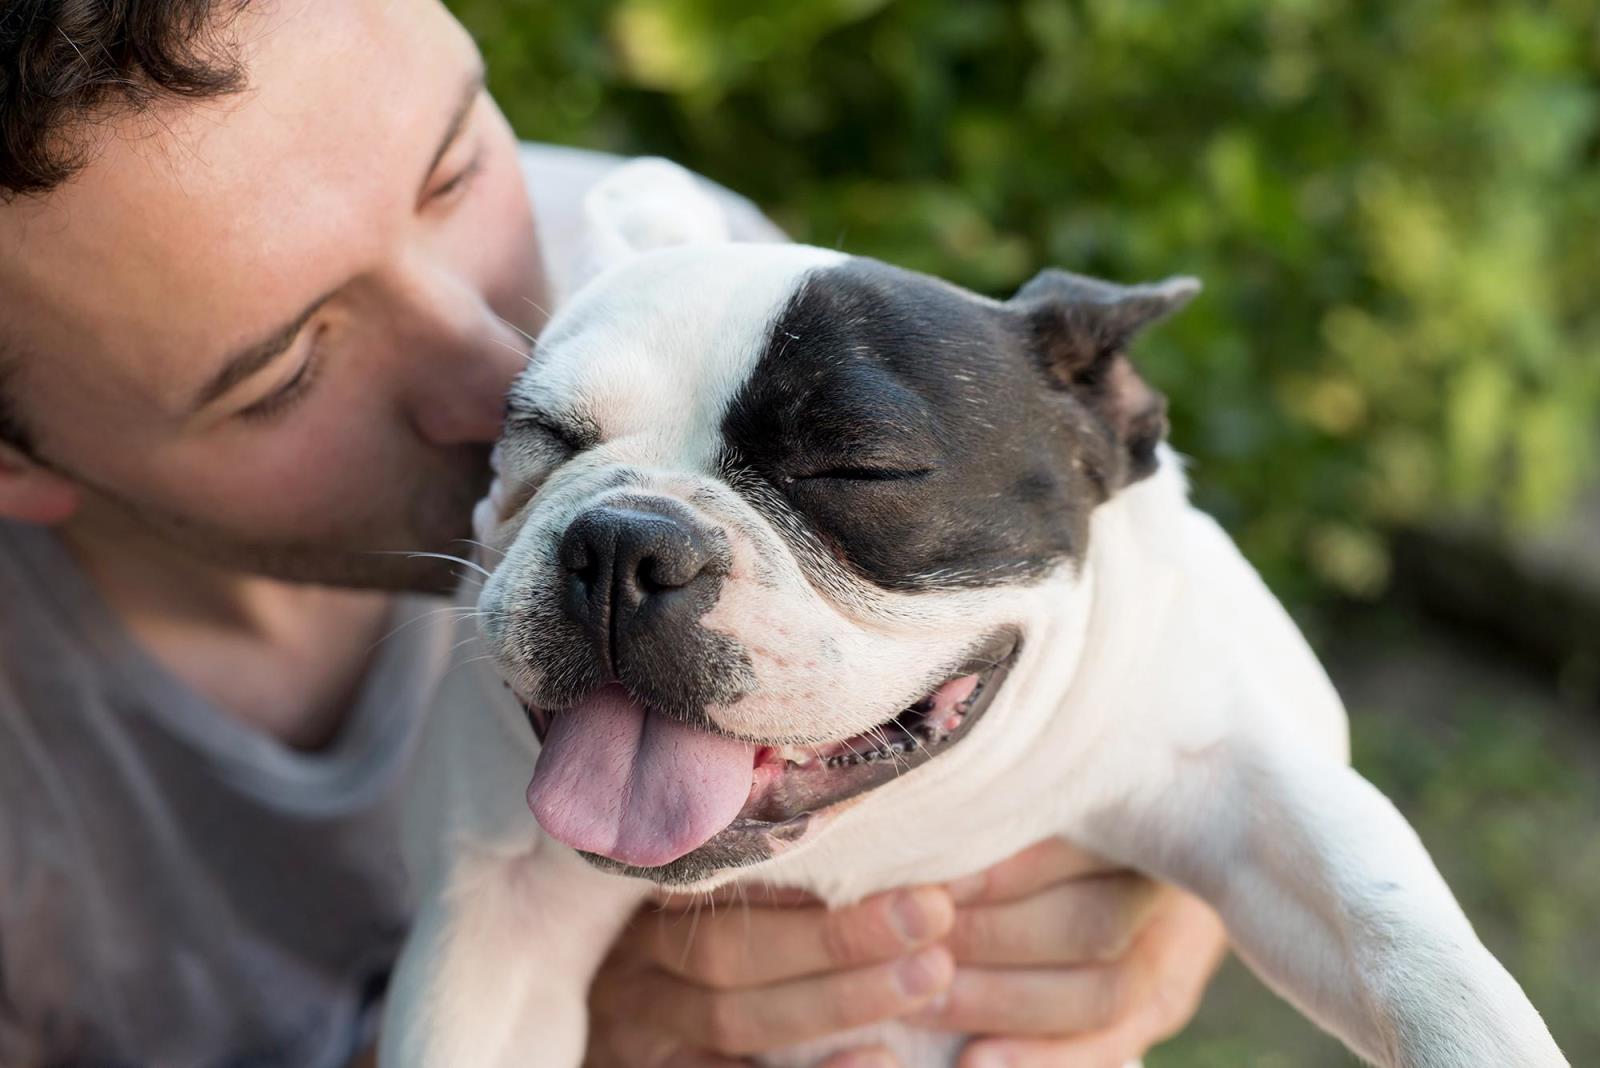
618 779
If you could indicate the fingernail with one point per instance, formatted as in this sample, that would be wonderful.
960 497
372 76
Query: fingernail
968 887
912 917
930 1014
990 1058
925 973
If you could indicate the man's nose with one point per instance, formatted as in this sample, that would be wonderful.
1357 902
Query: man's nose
645 566
463 357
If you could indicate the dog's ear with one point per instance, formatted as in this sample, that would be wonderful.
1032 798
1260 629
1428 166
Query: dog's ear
1080 329
649 204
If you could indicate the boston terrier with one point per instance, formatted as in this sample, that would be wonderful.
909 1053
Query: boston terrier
814 570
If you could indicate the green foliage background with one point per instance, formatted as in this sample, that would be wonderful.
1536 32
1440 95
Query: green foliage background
1395 208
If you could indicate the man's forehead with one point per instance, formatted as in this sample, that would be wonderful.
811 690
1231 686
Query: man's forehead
197 225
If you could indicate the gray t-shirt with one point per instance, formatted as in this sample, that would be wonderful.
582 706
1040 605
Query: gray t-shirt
177 889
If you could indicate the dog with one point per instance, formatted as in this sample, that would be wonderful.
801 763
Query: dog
816 570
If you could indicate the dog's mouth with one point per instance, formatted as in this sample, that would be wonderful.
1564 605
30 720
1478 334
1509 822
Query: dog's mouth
636 791
794 781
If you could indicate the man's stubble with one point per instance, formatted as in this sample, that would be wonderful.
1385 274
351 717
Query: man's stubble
418 511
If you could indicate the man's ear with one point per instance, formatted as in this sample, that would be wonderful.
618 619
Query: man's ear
32 492
1080 329
649 204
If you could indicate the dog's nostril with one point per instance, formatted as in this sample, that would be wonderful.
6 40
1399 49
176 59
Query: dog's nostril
650 577
624 557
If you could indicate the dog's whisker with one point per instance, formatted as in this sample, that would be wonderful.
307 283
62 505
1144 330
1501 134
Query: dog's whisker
468 640
468 662
466 612
688 943
526 354
415 555
478 544
532 340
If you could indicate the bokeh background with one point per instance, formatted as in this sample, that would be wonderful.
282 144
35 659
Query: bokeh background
1390 387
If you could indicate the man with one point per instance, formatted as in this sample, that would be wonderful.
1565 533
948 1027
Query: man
265 273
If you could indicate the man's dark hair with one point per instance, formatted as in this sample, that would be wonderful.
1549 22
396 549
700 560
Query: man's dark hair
66 65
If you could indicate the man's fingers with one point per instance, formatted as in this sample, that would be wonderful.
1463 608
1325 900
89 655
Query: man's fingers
1086 921
741 947
862 1058
1037 1002
742 1022
1052 861
684 1058
1096 1051
1162 980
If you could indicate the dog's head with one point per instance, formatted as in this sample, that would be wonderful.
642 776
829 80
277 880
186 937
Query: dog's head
768 514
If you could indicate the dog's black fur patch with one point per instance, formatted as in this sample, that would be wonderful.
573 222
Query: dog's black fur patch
932 439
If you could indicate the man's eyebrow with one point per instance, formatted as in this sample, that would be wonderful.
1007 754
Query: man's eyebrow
458 122
253 357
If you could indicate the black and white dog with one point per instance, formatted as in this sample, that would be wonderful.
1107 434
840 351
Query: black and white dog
839 574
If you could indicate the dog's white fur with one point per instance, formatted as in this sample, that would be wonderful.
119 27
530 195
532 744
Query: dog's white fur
1164 712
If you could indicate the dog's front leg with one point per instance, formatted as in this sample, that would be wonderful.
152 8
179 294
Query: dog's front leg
1330 897
497 970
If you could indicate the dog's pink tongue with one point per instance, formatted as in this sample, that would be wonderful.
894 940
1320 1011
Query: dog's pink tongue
618 779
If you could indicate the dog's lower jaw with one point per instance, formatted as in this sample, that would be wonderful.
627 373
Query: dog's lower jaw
721 861
794 797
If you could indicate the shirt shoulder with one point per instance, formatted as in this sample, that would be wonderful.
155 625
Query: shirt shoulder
558 176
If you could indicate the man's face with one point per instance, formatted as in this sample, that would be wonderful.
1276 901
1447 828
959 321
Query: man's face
273 329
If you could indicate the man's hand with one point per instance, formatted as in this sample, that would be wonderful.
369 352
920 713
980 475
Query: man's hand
1064 960
1053 956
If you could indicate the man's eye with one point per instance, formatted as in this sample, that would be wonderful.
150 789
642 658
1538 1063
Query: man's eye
462 179
285 396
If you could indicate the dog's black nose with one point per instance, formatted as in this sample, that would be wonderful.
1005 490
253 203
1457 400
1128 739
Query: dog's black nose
640 564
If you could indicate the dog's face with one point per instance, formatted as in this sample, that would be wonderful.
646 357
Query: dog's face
767 515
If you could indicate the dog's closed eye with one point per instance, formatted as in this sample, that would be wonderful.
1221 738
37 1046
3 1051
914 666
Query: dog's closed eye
533 445
846 471
570 430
